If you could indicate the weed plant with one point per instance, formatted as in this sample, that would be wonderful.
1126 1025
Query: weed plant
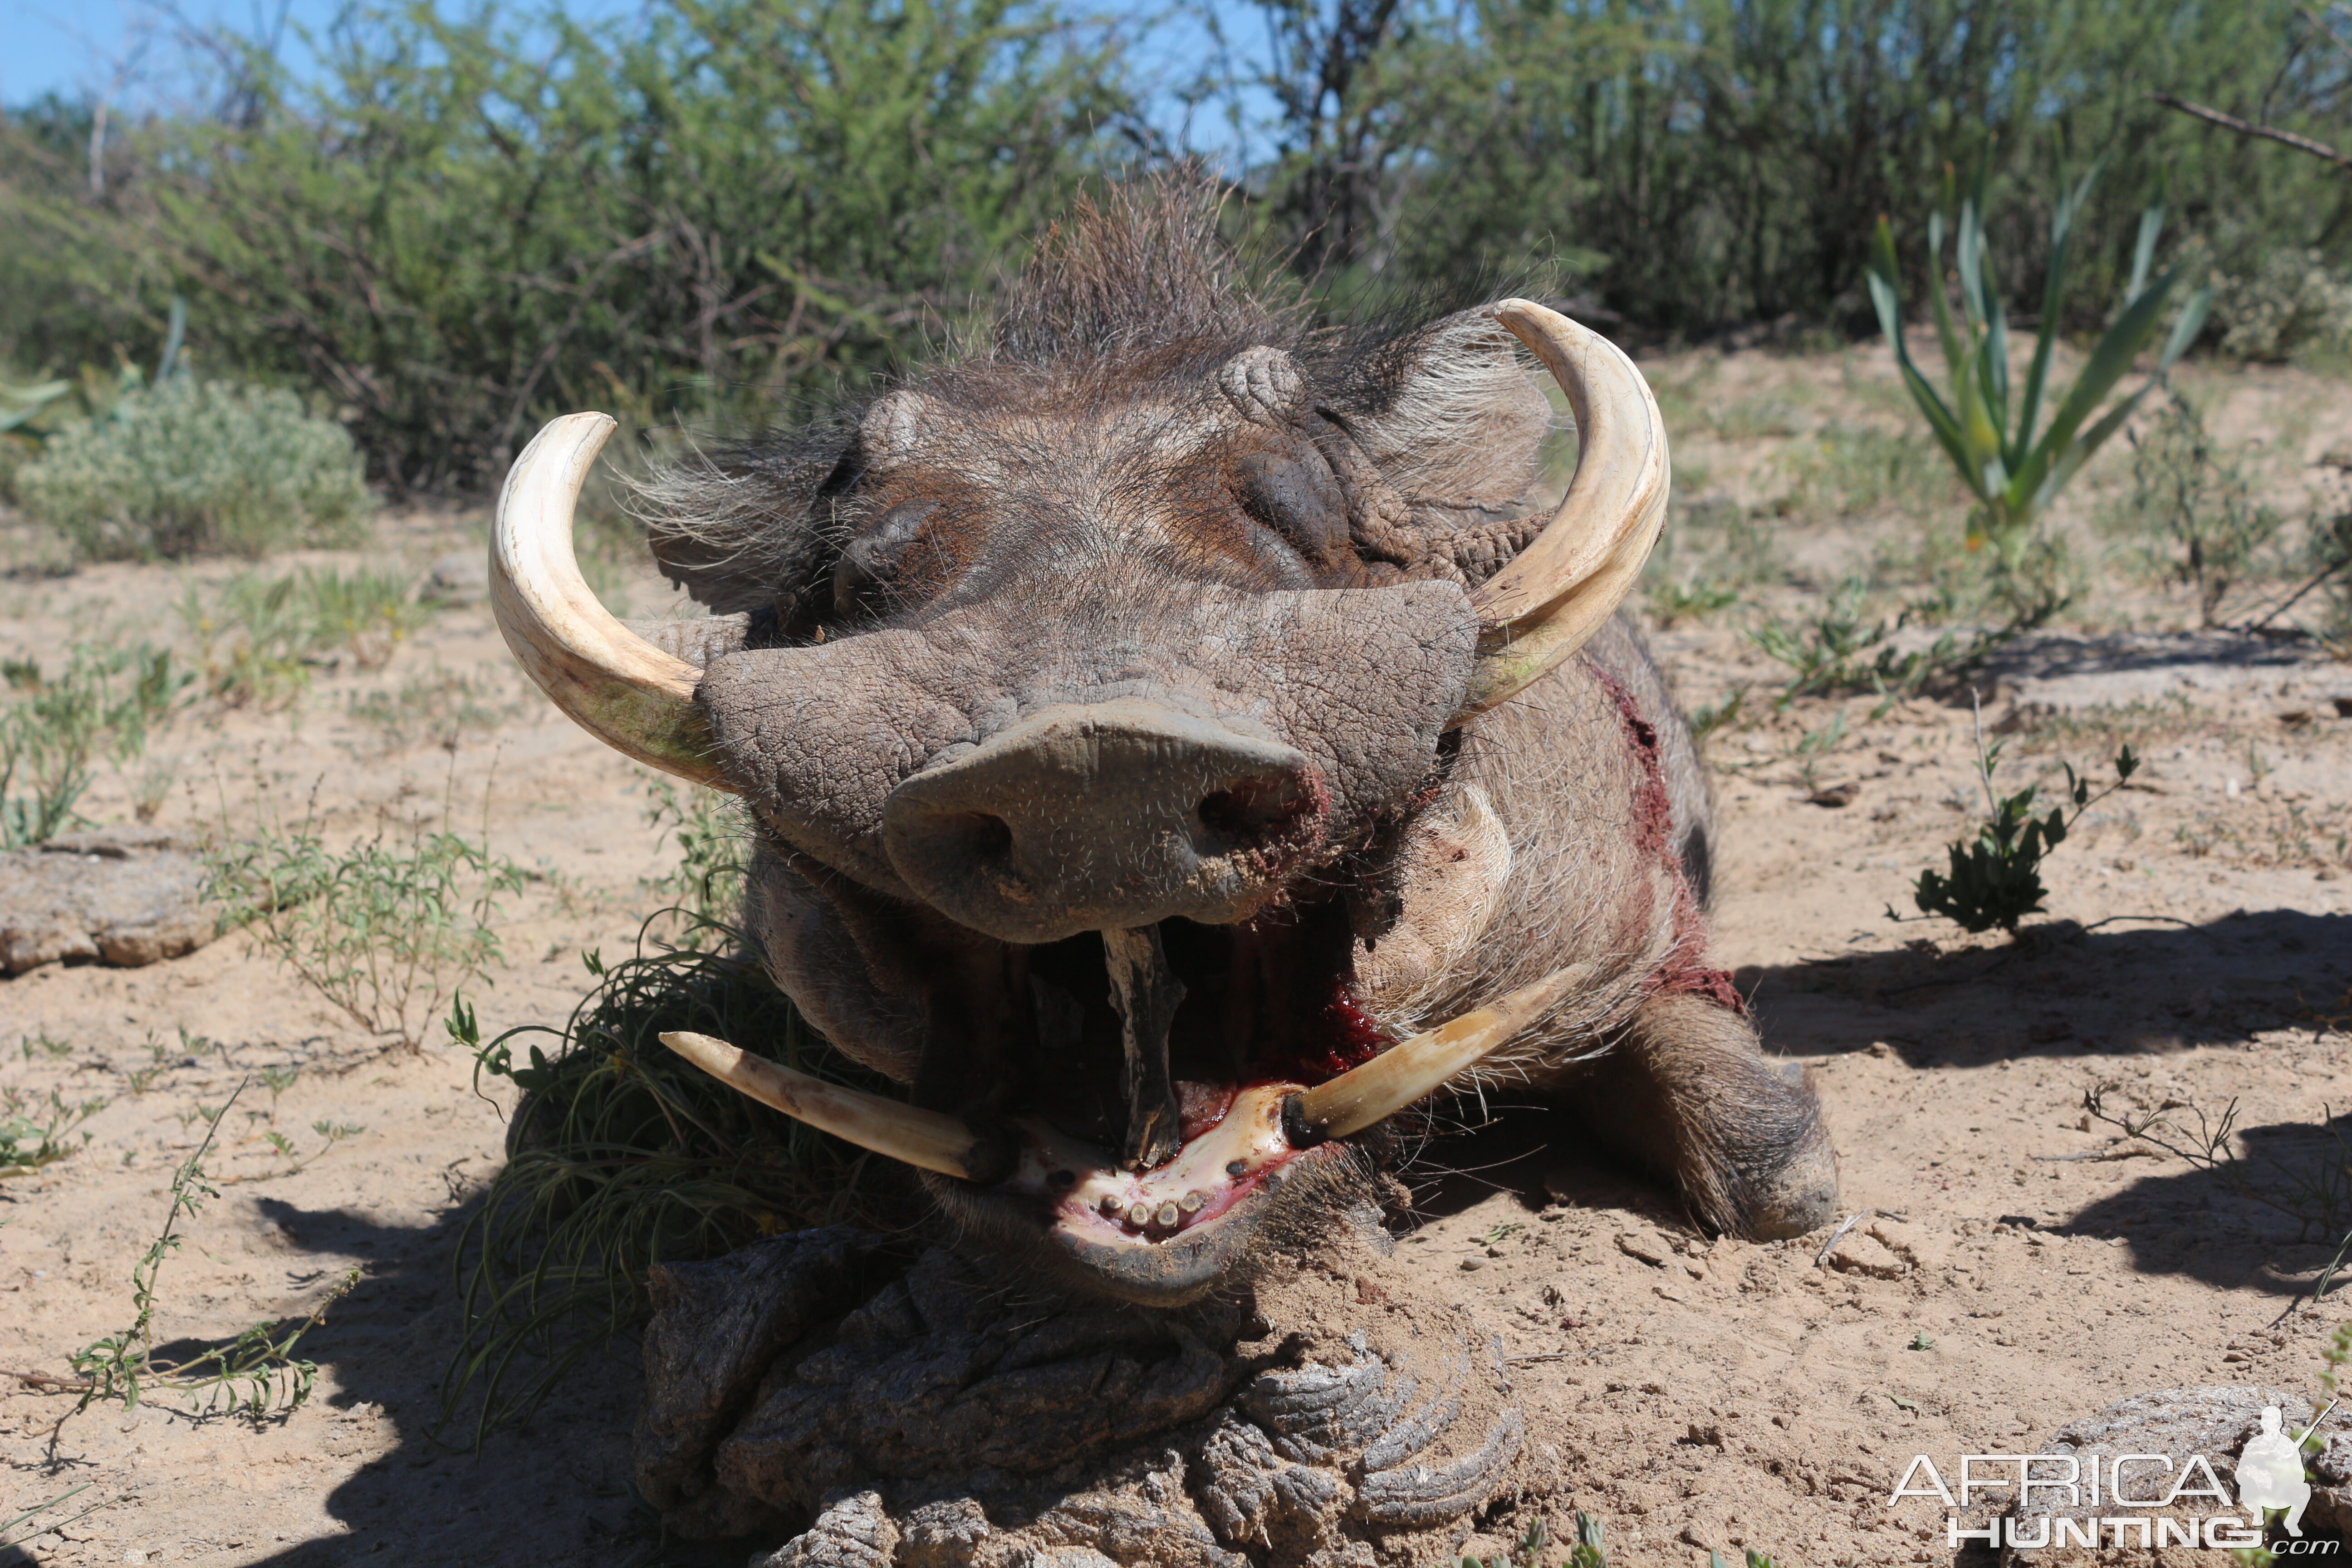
2316 1195
1848 470
190 466
706 887
56 727
256 1372
32 1134
260 638
438 706
1995 879
1707 560
1838 652
386 929
621 1155
2191 508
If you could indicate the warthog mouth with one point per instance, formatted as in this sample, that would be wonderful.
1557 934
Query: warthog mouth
1143 1140
1186 1082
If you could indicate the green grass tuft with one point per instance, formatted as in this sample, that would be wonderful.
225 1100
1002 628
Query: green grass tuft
622 1155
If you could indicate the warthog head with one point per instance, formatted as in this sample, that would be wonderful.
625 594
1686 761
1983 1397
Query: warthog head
1082 690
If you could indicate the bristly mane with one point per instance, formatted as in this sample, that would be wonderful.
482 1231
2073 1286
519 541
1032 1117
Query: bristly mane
1140 269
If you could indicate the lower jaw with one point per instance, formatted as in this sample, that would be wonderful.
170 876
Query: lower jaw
1064 1205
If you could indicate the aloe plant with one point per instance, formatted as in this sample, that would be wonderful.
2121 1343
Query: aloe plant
2014 469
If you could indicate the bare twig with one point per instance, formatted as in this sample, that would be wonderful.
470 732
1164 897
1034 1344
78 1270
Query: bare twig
1821 1258
2246 128
49 1381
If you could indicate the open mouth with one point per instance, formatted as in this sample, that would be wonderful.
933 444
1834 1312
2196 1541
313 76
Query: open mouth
1181 1076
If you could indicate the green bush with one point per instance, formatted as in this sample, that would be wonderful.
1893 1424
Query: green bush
2290 300
469 218
192 468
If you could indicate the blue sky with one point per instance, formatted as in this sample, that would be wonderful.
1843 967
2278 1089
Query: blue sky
126 50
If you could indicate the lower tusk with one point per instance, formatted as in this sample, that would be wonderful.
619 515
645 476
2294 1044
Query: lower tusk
923 1138
1402 1074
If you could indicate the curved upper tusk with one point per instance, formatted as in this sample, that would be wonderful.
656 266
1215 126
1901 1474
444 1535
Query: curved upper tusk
1548 602
1420 1065
609 681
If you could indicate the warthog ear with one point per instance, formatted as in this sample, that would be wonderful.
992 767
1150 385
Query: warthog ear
1448 415
744 528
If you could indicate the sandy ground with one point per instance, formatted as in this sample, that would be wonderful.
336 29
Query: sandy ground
2016 1265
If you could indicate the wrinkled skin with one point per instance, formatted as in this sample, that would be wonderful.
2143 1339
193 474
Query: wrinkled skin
876 1406
1153 619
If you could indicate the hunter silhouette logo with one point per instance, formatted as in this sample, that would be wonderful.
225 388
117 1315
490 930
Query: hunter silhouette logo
2270 1470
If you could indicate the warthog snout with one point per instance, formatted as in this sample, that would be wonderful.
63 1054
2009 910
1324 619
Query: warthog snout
1104 817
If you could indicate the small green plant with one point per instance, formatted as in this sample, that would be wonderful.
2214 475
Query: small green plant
33 1135
40 1044
1724 715
56 727
2013 463
1839 651
437 705
2194 509
1849 470
189 466
1814 747
621 1155
707 887
330 1134
1712 552
260 638
1591 1549
384 929
1920 1342
1996 879
1671 602
256 1372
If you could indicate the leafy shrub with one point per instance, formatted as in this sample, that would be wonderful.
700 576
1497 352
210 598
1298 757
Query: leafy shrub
2290 301
1996 879
464 219
385 929
192 467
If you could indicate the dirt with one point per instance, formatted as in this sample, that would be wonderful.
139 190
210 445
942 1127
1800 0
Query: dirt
2016 1265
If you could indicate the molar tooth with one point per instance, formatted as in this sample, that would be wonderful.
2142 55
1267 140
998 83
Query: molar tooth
1110 1206
1139 1215
1191 1201
1168 1216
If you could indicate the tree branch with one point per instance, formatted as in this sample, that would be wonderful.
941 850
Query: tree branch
2244 128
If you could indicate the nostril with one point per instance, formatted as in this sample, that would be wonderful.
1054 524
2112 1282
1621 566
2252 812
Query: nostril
1257 811
978 836
986 836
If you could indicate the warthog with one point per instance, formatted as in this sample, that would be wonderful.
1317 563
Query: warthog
1175 747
